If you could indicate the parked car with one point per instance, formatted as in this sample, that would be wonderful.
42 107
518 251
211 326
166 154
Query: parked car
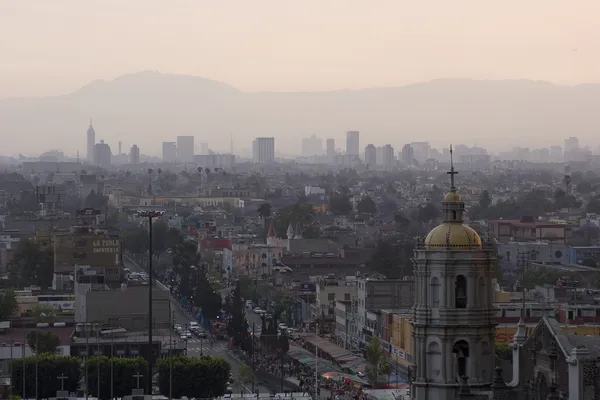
258 310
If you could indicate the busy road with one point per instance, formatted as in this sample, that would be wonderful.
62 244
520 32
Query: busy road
197 346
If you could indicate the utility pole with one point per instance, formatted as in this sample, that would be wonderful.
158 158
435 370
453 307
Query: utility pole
253 327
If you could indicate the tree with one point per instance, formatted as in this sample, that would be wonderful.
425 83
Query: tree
43 313
245 377
593 206
135 240
385 260
96 201
366 205
237 327
339 203
207 298
31 265
203 377
299 215
8 304
377 368
503 351
428 212
49 368
123 380
485 201
43 342
159 236
173 238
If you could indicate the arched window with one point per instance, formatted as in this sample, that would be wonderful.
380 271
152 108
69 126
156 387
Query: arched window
434 361
453 215
435 292
461 352
460 292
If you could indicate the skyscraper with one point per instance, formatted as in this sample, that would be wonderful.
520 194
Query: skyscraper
312 146
134 154
102 154
353 143
370 155
185 148
330 148
387 156
263 150
169 151
91 142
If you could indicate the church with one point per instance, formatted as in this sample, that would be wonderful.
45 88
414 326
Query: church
454 326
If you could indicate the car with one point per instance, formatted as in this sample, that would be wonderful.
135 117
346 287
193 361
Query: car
184 337
187 334
258 310
194 325
177 328
249 304
282 326
269 316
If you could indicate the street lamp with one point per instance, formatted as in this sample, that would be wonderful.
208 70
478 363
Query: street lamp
150 214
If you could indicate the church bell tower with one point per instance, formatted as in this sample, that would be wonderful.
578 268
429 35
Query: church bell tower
454 323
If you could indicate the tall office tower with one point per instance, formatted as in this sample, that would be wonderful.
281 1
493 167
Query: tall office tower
387 156
134 154
571 144
370 155
203 148
102 154
330 148
352 143
556 153
263 150
91 142
407 154
169 151
420 150
312 146
185 148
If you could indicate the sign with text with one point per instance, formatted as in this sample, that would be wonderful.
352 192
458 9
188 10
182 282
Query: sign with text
107 246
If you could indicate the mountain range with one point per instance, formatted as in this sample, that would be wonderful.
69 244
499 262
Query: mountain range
148 108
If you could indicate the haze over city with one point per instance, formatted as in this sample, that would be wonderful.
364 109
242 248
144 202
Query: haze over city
59 48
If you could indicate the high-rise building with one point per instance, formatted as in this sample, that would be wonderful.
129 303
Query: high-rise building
420 150
263 150
134 154
571 144
387 156
102 154
185 148
330 148
556 153
91 142
169 151
407 154
312 146
454 324
353 143
370 155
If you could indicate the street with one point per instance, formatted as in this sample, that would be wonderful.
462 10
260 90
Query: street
196 346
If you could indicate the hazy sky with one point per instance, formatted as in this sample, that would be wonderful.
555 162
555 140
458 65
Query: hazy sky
54 47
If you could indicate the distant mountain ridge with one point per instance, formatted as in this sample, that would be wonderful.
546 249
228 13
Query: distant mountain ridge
147 108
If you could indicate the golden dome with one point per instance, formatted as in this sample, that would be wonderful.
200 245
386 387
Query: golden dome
453 236
452 196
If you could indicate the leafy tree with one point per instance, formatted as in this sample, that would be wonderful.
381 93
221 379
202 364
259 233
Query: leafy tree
97 201
135 240
206 297
428 212
43 313
26 203
264 211
339 203
485 201
366 205
503 351
299 215
8 304
159 236
203 377
123 380
237 327
43 342
377 368
245 377
564 200
173 238
593 206
31 265
49 368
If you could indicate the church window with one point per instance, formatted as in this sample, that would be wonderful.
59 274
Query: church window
435 292
453 215
460 292
461 352
434 360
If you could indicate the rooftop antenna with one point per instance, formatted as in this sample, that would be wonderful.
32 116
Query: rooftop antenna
452 172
